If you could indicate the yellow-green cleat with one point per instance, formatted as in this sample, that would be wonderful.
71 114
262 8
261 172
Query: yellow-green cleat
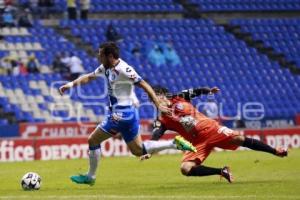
183 144
83 179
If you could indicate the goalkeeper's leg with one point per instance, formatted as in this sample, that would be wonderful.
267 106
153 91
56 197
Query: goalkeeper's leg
191 168
258 145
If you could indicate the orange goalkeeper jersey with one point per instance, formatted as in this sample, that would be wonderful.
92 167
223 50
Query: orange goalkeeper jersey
188 121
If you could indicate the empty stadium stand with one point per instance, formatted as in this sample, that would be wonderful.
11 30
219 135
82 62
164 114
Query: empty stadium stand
241 5
142 6
211 56
280 34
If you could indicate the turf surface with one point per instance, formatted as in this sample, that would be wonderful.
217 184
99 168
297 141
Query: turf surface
257 176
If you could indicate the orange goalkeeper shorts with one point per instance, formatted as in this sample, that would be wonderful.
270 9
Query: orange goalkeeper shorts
219 136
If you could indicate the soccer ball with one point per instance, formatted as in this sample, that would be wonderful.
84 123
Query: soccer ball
31 181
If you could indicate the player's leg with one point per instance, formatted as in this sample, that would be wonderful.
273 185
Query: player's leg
257 145
226 138
192 163
191 168
129 128
139 148
94 140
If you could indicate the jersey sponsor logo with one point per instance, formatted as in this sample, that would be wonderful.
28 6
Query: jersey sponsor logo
128 69
188 122
179 106
224 130
133 76
104 122
117 116
130 73
106 73
100 70
113 77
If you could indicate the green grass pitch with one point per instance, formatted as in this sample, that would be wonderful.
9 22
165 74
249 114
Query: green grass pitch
257 176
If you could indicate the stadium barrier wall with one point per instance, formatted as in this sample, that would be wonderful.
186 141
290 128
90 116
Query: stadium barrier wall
59 148
75 147
298 120
29 130
9 131
70 129
269 123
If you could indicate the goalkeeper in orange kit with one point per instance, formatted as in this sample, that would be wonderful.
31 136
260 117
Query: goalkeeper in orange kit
204 133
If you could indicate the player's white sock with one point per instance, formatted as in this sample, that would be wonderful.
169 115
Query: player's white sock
94 157
156 146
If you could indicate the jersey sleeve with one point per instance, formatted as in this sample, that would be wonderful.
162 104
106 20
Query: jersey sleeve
100 70
131 74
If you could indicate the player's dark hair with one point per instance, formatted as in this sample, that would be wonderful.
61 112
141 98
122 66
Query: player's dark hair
160 90
110 48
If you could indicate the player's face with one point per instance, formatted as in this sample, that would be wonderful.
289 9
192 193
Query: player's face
163 100
162 97
103 59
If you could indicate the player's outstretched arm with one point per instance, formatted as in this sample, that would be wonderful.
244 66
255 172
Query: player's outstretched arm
149 90
214 90
80 80
191 93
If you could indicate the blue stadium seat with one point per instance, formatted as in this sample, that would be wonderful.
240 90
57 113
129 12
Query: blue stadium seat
210 57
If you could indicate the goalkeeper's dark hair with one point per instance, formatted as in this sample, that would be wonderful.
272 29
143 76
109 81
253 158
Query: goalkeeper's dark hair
110 48
159 90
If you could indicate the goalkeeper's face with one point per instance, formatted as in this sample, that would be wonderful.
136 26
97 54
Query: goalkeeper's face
161 94
162 98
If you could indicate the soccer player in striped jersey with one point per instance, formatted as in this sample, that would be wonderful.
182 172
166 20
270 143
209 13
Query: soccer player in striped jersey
123 117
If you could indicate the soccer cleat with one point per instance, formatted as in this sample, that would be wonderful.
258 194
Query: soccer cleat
145 157
281 152
226 173
83 179
184 145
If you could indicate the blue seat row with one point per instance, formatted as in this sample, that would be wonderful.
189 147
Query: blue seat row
282 35
247 5
123 6
210 57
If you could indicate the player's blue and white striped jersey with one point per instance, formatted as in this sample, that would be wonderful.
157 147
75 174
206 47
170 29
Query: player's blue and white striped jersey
121 80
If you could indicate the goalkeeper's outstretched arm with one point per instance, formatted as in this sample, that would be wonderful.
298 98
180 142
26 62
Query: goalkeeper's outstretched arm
194 92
